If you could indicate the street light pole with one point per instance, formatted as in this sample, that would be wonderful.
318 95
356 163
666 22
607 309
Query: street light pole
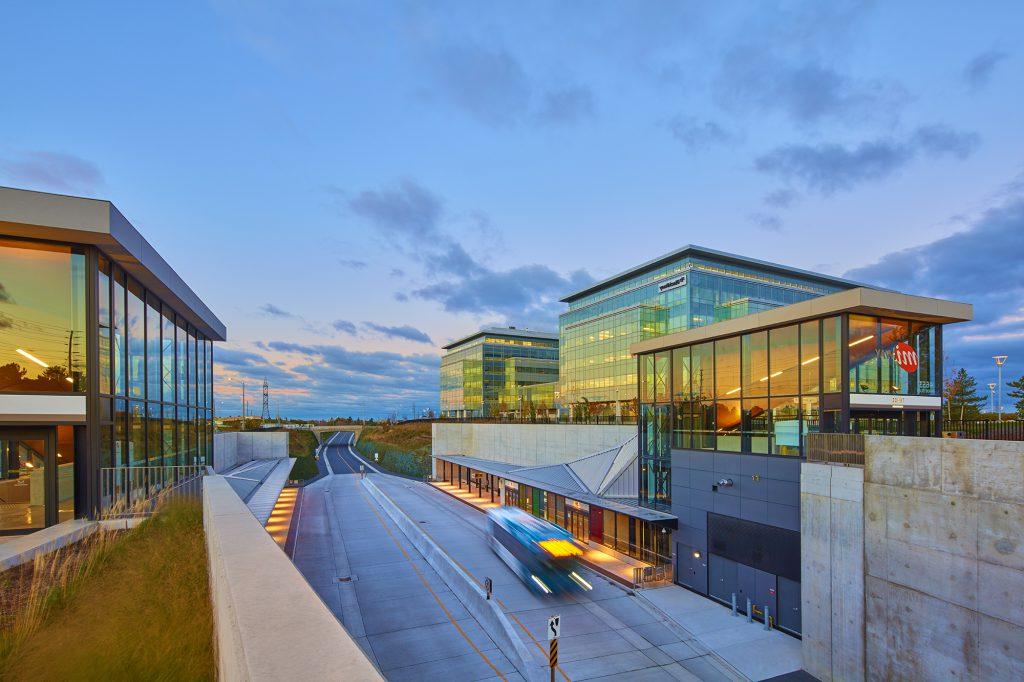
1000 361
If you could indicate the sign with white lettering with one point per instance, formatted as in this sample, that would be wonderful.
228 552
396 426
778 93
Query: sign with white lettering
905 356
672 283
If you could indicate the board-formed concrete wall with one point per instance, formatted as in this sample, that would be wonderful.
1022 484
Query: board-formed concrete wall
832 571
944 555
527 444
232 448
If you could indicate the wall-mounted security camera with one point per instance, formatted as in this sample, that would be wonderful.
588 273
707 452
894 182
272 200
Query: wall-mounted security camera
725 483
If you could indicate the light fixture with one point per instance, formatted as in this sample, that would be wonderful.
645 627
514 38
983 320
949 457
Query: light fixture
696 555
859 341
732 391
31 357
810 360
69 380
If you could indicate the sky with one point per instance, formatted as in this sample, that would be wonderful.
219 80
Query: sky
349 186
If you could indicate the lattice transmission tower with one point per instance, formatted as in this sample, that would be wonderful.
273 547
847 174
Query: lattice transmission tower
266 400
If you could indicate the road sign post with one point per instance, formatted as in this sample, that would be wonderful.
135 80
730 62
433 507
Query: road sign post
554 630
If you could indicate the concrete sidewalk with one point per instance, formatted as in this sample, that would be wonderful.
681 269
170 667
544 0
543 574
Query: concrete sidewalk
757 653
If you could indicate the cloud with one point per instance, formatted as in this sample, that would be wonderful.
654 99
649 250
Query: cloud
978 71
344 326
781 198
273 311
405 209
352 263
983 265
830 168
488 84
526 295
696 134
767 221
54 171
404 332
566 105
807 92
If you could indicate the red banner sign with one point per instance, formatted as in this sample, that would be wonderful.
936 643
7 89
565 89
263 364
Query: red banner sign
905 356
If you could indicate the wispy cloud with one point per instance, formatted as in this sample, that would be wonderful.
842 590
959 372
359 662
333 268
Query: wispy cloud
54 171
978 72
406 332
697 134
830 168
273 311
344 326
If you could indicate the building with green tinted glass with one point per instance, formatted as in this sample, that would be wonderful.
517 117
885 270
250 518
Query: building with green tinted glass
690 287
106 363
499 372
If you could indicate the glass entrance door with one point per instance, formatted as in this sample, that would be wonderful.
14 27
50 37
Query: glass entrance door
27 480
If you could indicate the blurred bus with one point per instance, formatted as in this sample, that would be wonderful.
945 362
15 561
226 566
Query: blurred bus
543 555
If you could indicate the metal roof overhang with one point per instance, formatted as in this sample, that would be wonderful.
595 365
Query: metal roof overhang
96 222
508 472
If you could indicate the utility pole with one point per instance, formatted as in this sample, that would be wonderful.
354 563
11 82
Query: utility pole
266 401
243 406
1000 361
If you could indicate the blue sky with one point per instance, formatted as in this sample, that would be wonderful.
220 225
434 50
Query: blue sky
351 185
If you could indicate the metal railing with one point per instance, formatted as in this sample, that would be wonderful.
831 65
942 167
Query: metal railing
645 576
835 448
134 491
985 429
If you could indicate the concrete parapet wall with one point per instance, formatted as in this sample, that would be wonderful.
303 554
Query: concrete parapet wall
472 596
527 444
232 448
269 623
832 571
944 553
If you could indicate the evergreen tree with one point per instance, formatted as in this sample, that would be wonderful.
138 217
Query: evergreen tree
962 399
1018 393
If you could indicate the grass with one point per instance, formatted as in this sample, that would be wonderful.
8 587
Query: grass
403 448
302 445
119 605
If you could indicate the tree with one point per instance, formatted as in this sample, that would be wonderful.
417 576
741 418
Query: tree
961 394
1018 393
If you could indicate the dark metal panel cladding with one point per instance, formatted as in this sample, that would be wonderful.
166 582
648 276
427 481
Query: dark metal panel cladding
769 548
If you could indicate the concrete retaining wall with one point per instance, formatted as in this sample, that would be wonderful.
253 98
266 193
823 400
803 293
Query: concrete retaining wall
232 448
944 553
269 623
527 444
472 596
832 571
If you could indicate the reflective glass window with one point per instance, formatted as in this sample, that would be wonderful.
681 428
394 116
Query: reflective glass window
120 333
810 357
168 429
192 367
894 334
755 364
702 372
831 367
647 378
167 354
120 433
42 317
154 435
863 354
785 420
103 305
136 433
153 349
924 345
729 421
136 342
727 369
756 434
810 414
784 360
182 359
662 375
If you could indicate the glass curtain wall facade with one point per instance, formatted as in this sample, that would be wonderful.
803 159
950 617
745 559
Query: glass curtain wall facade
763 391
155 378
597 374
484 375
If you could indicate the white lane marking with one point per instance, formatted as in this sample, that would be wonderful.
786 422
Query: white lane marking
327 461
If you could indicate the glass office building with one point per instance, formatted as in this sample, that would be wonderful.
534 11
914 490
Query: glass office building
688 288
106 358
499 371
725 411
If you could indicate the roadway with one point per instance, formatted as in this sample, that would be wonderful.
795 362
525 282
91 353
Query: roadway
413 627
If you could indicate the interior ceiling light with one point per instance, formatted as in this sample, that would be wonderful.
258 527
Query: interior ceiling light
859 341
814 359
31 357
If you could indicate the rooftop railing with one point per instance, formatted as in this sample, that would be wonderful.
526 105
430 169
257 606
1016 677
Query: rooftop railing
127 492
541 419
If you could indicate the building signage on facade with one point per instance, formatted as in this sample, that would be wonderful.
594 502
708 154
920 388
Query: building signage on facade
906 357
672 283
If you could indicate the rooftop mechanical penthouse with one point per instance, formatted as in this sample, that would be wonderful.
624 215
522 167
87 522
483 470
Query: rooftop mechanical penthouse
106 359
